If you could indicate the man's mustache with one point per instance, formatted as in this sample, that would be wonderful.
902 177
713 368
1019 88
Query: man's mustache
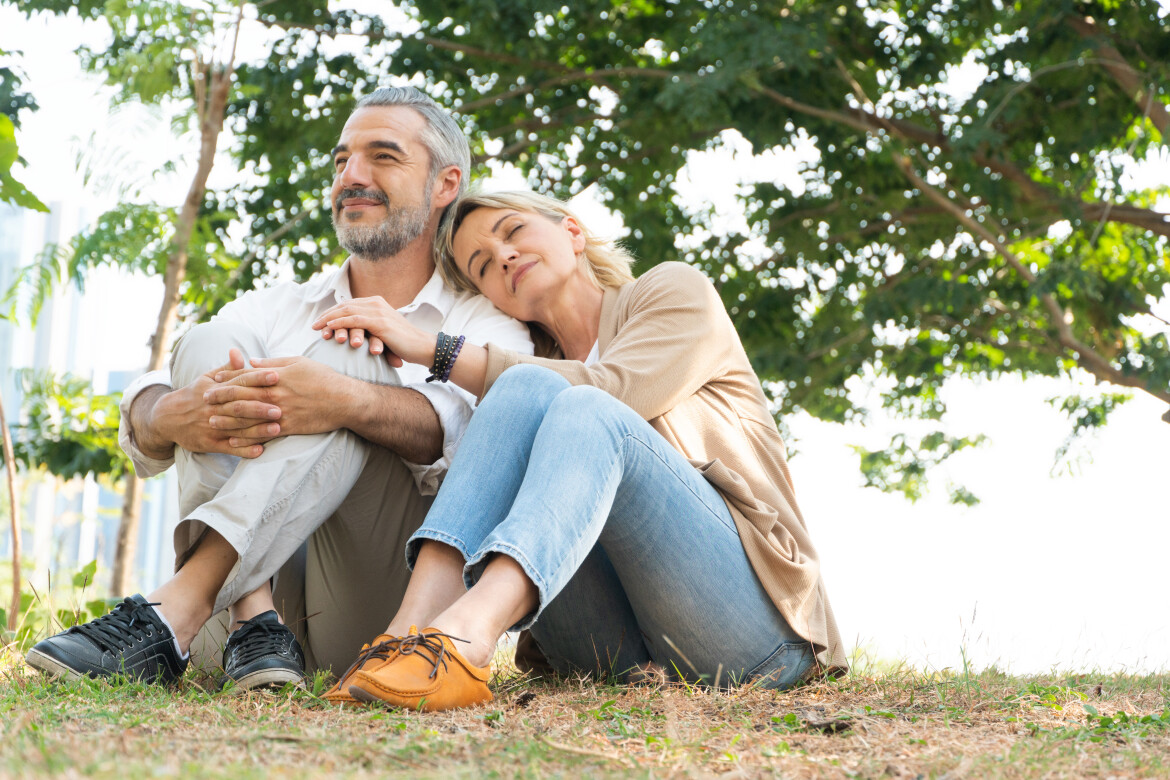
377 195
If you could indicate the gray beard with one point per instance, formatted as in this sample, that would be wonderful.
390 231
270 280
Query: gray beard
397 231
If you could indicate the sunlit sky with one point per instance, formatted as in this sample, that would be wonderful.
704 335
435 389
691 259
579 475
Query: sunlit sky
1047 572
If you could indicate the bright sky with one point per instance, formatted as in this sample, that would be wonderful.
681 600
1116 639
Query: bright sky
1048 572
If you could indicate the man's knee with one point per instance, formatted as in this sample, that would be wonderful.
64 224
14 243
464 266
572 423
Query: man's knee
355 362
206 346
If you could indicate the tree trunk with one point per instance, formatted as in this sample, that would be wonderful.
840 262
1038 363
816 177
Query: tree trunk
127 547
212 85
14 509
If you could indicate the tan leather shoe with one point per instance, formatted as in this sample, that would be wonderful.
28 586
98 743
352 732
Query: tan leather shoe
428 673
373 656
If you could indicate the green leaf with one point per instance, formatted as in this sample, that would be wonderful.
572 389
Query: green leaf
12 191
84 576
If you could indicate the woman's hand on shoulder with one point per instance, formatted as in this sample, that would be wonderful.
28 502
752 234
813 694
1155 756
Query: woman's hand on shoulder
387 330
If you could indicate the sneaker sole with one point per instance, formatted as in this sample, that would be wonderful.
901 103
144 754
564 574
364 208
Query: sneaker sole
51 666
269 678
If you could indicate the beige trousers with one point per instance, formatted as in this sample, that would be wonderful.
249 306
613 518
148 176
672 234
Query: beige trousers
325 515
340 589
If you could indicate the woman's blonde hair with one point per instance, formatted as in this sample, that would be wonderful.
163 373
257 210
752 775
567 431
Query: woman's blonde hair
606 263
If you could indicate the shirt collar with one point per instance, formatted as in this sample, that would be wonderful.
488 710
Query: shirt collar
434 293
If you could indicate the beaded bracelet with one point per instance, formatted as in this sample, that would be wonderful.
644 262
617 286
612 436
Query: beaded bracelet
446 350
451 362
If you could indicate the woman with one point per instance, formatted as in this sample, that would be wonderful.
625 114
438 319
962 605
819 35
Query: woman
629 504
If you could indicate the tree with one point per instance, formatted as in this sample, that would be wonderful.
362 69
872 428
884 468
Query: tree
938 231
160 52
12 101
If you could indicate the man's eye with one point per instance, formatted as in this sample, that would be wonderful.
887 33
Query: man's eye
339 162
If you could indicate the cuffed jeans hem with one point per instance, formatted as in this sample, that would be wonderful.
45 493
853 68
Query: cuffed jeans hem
233 535
475 565
429 534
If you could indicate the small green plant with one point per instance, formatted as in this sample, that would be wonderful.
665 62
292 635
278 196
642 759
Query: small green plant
1122 724
56 609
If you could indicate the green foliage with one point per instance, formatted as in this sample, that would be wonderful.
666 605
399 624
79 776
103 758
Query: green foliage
1087 414
903 466
135 237
12 101
1122 724
70 600
69 430
843 268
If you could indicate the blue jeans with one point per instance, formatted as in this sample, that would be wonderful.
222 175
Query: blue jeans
635 555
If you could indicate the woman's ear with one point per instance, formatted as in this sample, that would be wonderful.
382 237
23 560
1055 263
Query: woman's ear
576 233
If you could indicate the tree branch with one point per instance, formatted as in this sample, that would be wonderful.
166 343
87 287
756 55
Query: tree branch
1124 74
238 271
1087 358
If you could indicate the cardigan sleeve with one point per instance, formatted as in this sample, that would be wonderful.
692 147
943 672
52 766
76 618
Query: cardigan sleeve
675 338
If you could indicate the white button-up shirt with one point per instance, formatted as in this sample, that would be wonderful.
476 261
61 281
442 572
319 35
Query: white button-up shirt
282 316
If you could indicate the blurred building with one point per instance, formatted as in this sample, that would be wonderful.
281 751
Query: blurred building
99 335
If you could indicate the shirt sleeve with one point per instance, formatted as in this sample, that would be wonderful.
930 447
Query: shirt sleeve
676 338
144 465
480 322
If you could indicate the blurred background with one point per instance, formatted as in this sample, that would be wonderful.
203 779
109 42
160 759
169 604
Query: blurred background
940 228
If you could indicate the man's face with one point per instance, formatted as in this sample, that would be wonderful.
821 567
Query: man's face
382 185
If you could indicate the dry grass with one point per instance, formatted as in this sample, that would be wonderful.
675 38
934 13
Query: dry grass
896 723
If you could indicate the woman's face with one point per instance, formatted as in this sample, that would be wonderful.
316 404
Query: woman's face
518 259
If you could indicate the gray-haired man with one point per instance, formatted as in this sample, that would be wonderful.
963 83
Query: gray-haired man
313 440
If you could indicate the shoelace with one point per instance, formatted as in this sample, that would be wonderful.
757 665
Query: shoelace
273 638
381 651
433 642
128 624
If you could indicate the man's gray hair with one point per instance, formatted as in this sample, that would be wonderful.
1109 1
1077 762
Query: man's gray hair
443 137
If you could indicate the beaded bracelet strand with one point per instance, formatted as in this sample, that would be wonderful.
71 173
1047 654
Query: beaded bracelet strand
446 350
451 362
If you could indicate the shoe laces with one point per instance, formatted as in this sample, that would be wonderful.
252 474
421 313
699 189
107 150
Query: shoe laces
433 643
381 651
257 638
129 623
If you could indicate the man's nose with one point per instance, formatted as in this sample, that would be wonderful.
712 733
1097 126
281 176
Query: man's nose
356 173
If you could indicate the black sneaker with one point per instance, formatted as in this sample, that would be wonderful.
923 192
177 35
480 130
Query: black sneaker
263 653
132 640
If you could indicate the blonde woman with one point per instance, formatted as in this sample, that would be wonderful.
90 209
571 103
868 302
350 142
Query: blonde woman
624 496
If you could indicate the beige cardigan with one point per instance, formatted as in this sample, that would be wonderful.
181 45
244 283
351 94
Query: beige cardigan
669 351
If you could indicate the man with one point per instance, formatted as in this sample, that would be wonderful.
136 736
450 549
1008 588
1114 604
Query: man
313 432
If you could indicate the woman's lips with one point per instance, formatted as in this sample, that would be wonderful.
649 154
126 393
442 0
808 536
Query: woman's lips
520 272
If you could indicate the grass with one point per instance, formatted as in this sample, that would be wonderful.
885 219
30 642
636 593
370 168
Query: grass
896 723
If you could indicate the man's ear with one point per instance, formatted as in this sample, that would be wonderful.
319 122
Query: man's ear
446 187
